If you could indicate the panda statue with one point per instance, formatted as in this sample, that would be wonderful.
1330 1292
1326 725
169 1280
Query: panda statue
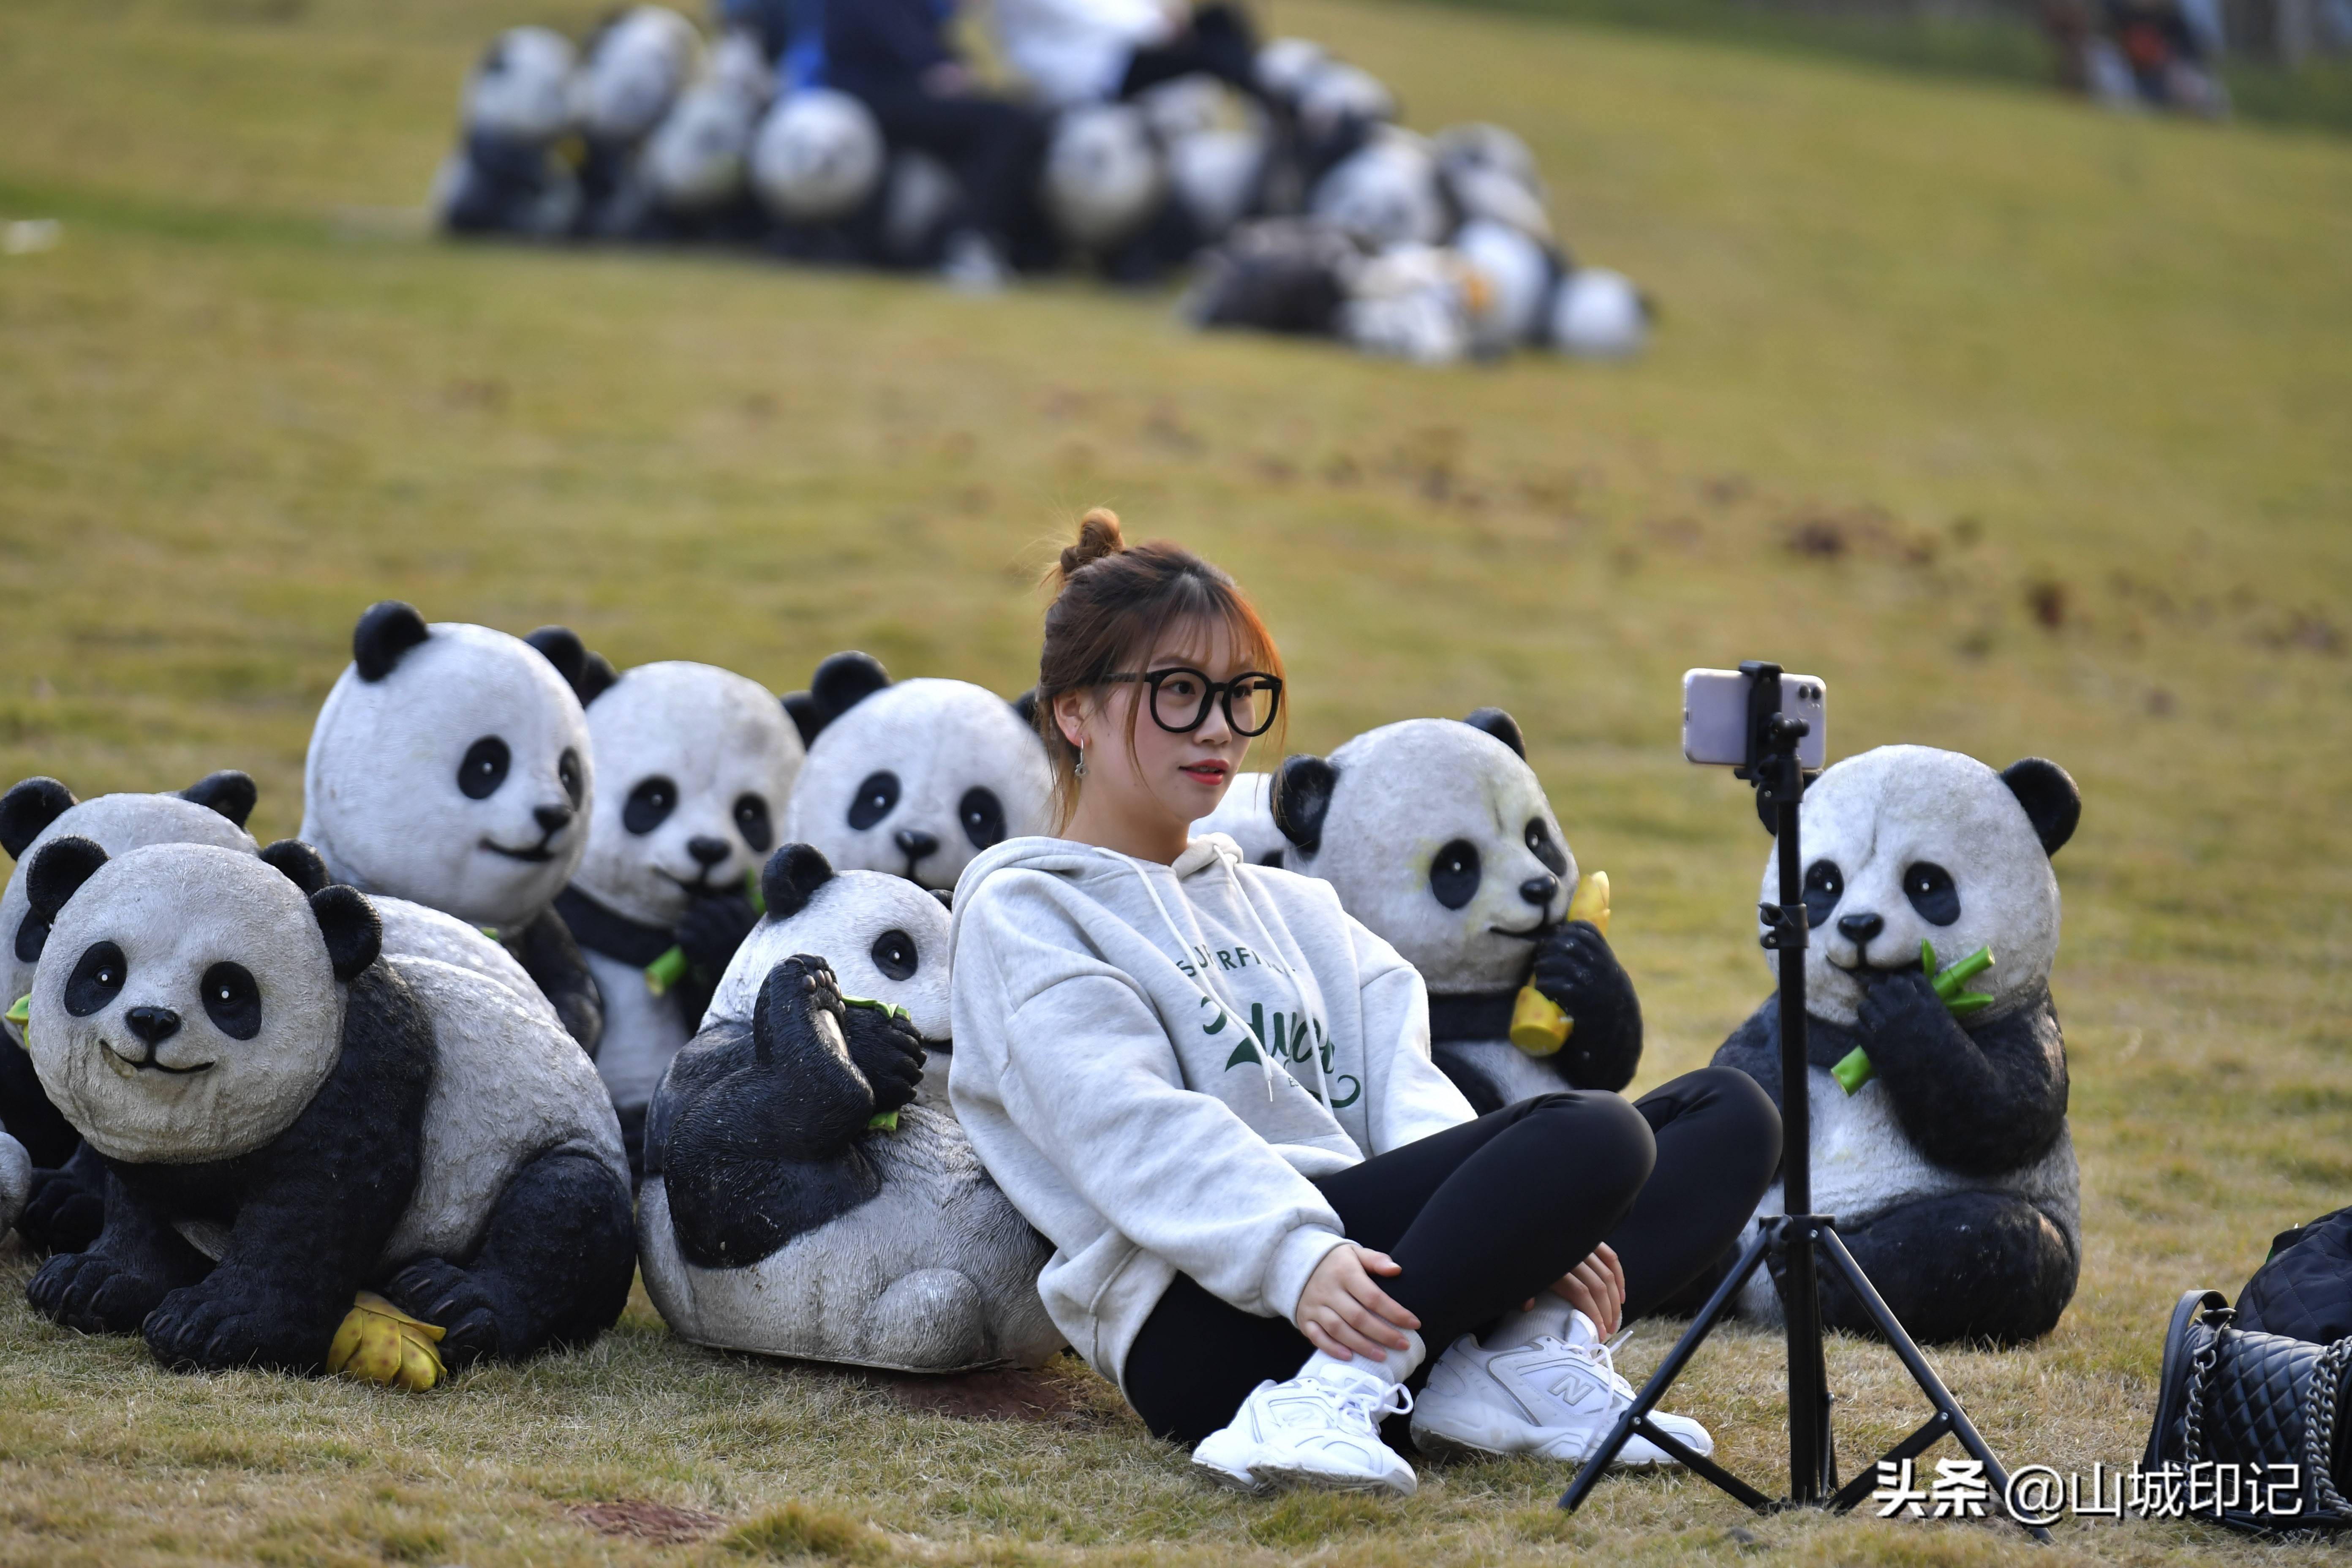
287 1116
1949 1169
16 1182
808 1192
450 766
65 1201
697 763
1437 836
914 777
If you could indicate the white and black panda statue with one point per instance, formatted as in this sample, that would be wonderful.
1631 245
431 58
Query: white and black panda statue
805 1193
1437 836
16 1182
288 1116
1950 1170
450 766
697 763
66 1201
914 777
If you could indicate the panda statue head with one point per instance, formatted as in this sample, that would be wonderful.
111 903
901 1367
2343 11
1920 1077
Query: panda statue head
1910 843
1436 834
914 777
886 938
450 765
697 764
211 811
191 1000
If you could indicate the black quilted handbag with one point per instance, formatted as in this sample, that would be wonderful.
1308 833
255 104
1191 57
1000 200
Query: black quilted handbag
2229 1397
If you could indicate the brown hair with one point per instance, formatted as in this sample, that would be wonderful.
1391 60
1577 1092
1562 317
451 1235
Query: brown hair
1111 603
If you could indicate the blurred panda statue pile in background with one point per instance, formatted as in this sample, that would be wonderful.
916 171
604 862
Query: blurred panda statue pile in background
912 778
808 1192
289 1117
450 766
511 174
1947 1161
696 764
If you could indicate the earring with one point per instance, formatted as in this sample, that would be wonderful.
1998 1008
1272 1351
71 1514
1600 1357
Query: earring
1080 771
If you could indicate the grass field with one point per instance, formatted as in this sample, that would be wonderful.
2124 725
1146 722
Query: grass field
2027 427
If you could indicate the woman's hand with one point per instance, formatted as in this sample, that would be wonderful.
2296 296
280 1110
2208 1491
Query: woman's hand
1596 1288
1344 1313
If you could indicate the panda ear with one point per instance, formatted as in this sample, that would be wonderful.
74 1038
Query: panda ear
597 677
806 716
300 864
354 935
1500 725
2052 802
28 809
791 878
386 632
946 897
561 648
58 871
845 680
1302 794
1025 705
229 792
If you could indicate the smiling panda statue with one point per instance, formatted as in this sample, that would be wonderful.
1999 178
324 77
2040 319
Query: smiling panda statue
66 1200
450 766
697 763
914 777
1950 1170
806 1194
1437 836
287 1116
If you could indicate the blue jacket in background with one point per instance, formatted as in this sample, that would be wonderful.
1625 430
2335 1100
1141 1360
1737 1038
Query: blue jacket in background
884 46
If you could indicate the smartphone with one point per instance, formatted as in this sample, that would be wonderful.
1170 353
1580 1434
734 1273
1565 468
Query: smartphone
1715 717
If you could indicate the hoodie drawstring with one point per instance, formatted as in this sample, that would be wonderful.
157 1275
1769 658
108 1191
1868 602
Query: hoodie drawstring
1185 945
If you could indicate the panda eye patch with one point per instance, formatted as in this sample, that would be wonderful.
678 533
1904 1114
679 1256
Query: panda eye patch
1825 886
1453 875
876 796
894 954
982 815
484 768
649 804
1929 887
232 1001
1540 840
567 772
32 935
96 980
752 822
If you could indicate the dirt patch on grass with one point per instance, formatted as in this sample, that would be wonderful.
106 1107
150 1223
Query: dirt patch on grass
647 1520
1008 1394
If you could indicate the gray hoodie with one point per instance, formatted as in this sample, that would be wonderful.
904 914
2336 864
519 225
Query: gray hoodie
1152 1060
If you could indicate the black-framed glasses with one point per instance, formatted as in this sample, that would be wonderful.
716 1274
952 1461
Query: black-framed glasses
1181 698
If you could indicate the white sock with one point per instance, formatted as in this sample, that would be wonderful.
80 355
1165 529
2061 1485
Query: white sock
1400 1364
1549 1317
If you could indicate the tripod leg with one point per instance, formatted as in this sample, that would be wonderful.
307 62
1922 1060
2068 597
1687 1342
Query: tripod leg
1590 1471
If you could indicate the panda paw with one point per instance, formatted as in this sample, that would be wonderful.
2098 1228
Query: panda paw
203 1330
712 929
1576 970
888 1050
63 1215
91 1294
452 1301
1900 1016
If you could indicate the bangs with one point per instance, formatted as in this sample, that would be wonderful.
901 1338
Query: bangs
1186 626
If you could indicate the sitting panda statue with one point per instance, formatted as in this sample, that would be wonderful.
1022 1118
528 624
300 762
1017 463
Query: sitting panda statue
66 1200
1437 836
1950 1170
450 766
807 1192
914 777
287 1117
697 763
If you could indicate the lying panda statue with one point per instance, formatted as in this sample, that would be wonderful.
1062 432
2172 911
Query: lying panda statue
1950 1171
450 766
912 778
776 1215
65 1201
698 763
1438 837
287 1117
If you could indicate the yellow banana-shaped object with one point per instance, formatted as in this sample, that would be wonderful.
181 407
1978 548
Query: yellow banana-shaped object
378 1343
1538 1026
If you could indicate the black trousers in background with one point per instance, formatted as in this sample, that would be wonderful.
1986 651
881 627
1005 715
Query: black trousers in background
995 148
1483 1216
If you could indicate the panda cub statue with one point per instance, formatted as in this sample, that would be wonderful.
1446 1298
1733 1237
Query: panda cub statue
66 1199
1437 836
697 764
287 1116
1950 1170
450 766
804 1196
915 777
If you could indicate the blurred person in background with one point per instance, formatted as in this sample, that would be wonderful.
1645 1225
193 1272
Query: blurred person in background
1085 51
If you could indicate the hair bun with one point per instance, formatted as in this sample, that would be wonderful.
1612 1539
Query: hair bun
1098 536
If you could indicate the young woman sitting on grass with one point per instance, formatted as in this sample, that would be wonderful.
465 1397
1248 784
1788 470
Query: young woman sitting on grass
1211 1088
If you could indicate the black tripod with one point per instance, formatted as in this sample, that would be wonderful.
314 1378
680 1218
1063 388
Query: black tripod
1802 1241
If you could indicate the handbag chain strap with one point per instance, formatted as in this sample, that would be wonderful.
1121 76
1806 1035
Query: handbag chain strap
2200 1373
2319 1425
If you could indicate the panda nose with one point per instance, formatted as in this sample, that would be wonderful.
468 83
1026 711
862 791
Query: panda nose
707 852
152 1025
551 818
915 845
1860 928
1538 890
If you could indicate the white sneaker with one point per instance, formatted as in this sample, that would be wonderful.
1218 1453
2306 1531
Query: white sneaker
1554 1398
1321 1429
972 265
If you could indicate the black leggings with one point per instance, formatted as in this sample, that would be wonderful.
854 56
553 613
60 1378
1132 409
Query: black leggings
1483 1216
995 148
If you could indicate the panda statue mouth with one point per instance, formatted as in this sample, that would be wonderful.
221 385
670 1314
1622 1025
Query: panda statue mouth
129 1067
538 853
1530 934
